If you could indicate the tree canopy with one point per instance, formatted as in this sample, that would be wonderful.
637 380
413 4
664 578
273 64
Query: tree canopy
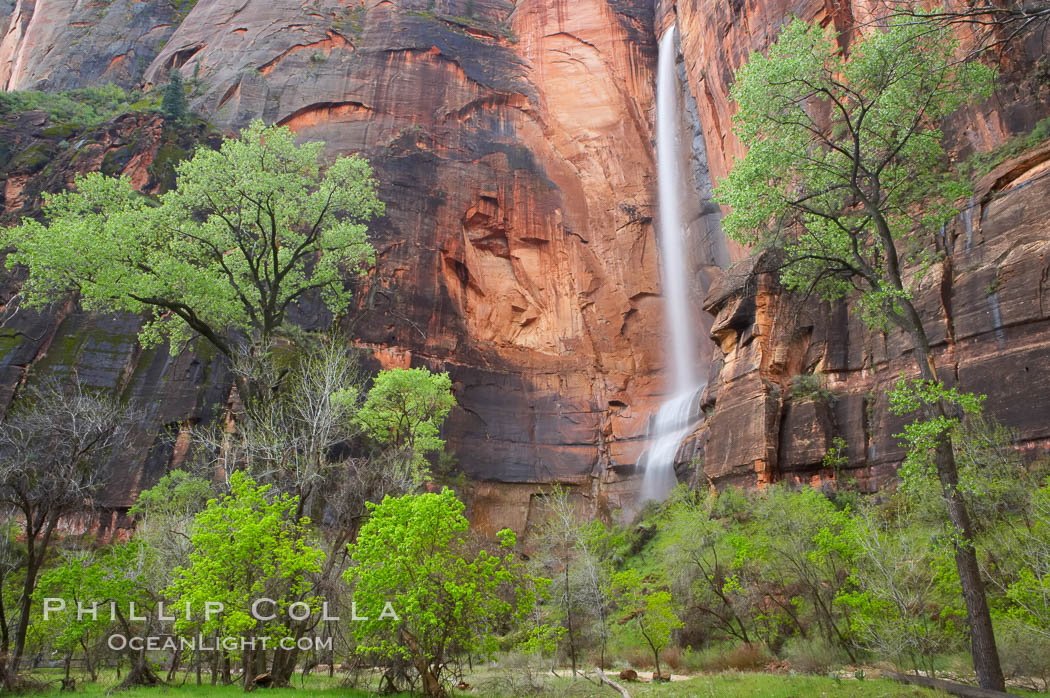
840 152
412 552
250 230
405 409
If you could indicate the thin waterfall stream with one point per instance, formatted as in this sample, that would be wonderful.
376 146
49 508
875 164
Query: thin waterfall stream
680 413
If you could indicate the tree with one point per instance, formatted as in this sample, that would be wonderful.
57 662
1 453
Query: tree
697 550
405 409
249 231
53 446
802 542
567 549
287 435
996 25
95 581
173 104
444 601
904 592
247 546
650 608
164 516
842 154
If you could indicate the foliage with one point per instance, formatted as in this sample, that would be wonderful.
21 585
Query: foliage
405 409
92 582
249 231
176 493
445 601
650 607
701 556
905 594
1028 588
247 545
810 386
840 150
980 164
174 103
83 108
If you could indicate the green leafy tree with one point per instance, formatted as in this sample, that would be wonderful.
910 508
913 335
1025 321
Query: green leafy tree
164 516
445 601
843 153
698 553
802 543
249 231
651 609
173 104
405 409
248 545
95 583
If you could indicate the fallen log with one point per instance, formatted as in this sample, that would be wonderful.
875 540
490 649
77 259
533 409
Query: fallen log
602 678
956 689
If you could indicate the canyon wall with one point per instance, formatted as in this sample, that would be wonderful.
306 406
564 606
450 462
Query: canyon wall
986 301
513 144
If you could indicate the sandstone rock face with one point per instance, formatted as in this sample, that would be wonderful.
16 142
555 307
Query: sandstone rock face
758 432
990 322
65 44
513 147
513 143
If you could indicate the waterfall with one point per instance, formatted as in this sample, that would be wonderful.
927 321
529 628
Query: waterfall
679 414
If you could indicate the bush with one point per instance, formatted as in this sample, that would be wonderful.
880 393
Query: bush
738 657
1025 655
813 655
810 386
518 674
79 109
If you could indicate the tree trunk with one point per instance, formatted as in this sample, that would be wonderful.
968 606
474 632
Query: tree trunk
432 687
248 663
25 607
87 660
568 620
140 675
174 666
982 635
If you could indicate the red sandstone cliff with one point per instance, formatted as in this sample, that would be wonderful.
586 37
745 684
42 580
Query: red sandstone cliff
986 299
514 151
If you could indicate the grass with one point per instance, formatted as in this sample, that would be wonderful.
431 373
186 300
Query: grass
727 685
735 685
315 685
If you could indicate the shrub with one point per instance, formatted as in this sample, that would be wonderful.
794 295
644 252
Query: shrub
1025 655
736 657
813 655
810 386
81 108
